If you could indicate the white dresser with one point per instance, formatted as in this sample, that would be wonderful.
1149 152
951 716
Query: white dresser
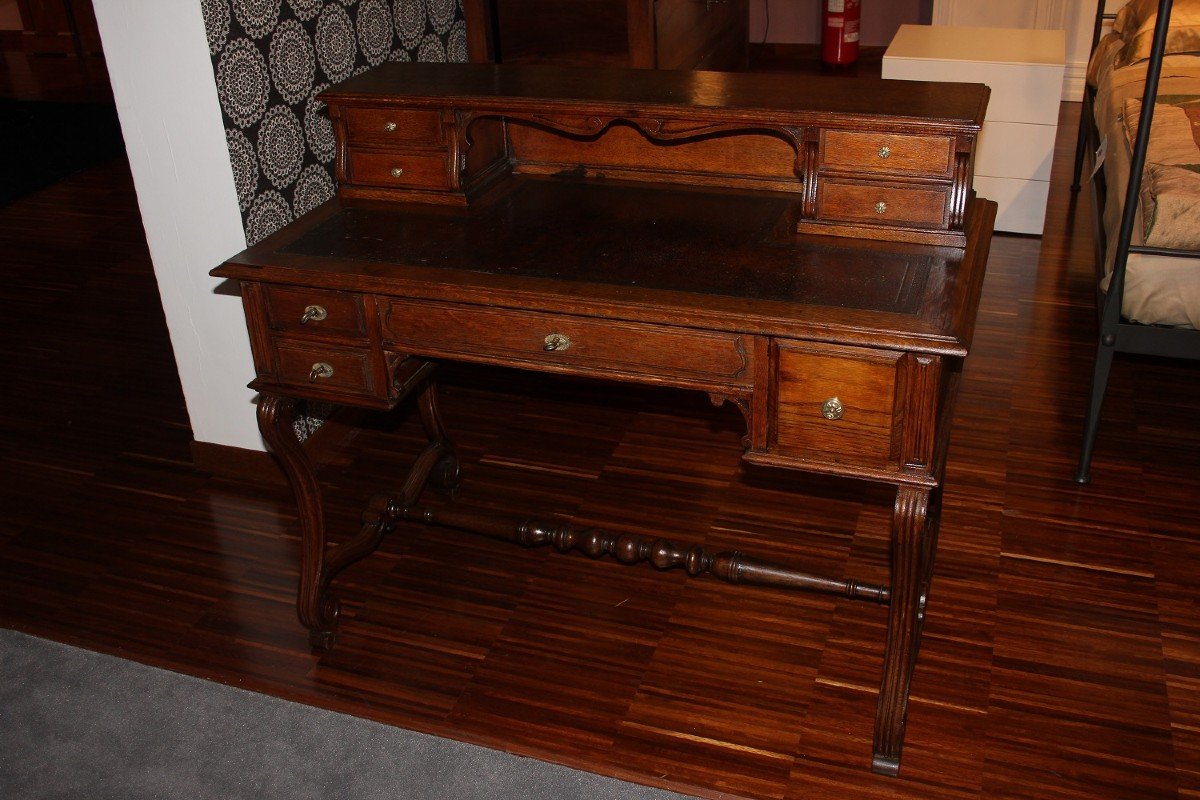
1024 69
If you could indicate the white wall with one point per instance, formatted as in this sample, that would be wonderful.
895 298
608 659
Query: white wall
1081 18
1076 17
162 79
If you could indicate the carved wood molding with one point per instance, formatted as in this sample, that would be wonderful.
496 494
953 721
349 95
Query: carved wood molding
961 191
808 159
919 377
659 129
742 404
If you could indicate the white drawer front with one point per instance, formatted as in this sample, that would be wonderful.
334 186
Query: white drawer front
1022 203
1015 150
1020 92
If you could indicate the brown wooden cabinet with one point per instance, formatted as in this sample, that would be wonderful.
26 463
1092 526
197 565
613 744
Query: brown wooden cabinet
59 26
652 34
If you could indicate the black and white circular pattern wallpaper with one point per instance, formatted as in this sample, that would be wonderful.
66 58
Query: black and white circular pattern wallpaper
272 57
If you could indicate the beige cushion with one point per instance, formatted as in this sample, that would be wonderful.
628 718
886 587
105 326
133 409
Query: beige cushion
1135 24
1171 206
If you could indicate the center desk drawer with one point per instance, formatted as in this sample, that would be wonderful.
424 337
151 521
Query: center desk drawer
561 343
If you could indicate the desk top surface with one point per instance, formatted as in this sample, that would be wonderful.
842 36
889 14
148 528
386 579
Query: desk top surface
716 259
729 93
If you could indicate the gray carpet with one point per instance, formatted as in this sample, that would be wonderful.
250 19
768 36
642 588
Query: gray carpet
78 724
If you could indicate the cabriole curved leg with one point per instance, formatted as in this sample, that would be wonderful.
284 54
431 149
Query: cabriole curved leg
437 464
318 611
912 562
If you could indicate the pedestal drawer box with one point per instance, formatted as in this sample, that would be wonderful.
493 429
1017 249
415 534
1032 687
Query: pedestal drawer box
1024 69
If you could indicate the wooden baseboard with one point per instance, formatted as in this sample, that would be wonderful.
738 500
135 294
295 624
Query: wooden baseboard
258 466
238 463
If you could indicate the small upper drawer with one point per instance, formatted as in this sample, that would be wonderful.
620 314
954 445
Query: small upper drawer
561 342
392 126
399 169
835 404
315 312
883 204
887 153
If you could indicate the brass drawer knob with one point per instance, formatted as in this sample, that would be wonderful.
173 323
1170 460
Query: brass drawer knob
320 370
832 409
397 172
389 126
881 207
315 313
555 342
885 151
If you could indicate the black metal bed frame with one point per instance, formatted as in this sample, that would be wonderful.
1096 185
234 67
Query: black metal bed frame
1117 334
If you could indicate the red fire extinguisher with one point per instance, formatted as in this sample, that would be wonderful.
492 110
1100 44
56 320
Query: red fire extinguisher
839 32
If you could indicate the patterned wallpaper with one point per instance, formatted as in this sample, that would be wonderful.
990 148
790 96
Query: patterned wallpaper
271 57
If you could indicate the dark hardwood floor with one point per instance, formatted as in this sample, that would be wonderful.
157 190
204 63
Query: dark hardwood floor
1062 641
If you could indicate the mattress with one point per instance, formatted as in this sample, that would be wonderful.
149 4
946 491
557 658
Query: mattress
1159 290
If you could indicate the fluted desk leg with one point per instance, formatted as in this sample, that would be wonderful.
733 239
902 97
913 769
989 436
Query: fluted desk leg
914 536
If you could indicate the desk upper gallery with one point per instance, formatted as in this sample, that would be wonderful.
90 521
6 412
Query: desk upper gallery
809 250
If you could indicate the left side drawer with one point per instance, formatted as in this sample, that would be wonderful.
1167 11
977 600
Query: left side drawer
320 344
319 369
314 312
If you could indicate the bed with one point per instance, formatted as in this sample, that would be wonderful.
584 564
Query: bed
1141 127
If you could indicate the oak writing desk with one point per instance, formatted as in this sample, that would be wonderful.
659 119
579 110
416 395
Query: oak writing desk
808 250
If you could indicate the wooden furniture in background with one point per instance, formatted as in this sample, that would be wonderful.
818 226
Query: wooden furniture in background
1024 69
863 157
653 228
59 26
652 34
